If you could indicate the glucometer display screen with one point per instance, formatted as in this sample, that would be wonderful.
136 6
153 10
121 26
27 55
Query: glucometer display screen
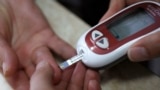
129 24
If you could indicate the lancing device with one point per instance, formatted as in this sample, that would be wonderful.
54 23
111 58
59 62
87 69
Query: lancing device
109 40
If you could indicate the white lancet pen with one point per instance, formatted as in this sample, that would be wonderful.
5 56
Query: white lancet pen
70 61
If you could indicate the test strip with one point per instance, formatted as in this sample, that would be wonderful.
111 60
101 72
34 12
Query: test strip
70 61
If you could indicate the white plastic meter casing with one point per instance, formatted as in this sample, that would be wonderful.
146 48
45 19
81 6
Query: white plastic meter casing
109 40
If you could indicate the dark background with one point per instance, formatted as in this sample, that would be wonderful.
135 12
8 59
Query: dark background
89 10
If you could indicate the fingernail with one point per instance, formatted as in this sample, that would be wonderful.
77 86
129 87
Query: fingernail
138 54
94 85
5 69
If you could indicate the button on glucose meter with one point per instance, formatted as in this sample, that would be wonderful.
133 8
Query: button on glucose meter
109 40
103 43
96 34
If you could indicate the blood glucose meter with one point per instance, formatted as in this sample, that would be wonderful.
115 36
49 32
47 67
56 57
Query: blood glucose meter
109 40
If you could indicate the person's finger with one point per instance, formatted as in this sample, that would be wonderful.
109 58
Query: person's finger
42 78
18 81
30 68
61 48
115 6
43 54
66 77
146 48
94 85
92 80
8 59
77 79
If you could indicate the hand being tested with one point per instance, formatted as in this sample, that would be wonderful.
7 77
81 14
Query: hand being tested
146 48
43 78
32 40
26 39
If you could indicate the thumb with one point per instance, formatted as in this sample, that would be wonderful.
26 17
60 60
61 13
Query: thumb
42 79
146 48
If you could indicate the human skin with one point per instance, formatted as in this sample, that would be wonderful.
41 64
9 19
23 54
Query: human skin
146 48
27 39
42 79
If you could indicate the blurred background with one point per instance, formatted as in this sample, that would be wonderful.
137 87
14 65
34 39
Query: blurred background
89 10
